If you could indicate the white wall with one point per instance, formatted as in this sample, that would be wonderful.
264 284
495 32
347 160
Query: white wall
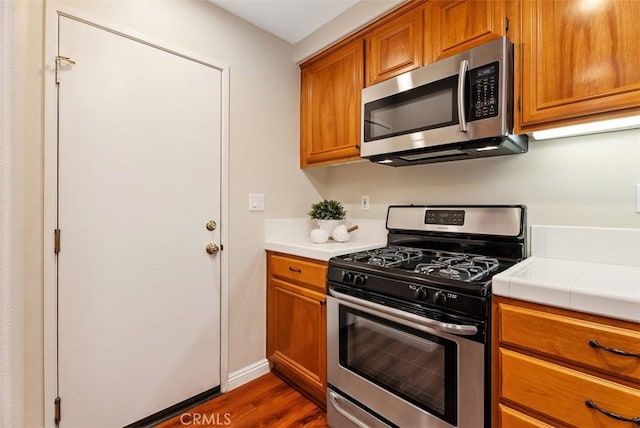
348 22
587 181
263 138
264 121
12 243
21 236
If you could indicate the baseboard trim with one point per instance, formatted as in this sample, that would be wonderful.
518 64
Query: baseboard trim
248 373
168 413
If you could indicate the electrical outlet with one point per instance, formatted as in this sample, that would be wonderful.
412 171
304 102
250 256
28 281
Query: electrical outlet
364 203
256 202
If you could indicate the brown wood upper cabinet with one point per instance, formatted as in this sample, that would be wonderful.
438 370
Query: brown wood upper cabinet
579 59
453 26
331 86
395 47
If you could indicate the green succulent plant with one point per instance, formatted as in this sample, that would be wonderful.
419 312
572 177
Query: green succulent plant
327 210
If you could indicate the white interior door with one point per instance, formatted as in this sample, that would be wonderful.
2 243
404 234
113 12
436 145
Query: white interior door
139 178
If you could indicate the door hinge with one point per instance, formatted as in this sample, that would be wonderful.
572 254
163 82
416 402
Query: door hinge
56 403
56 240
60 60
506 24
519 104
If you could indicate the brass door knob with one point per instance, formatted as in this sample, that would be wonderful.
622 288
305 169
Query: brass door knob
212 248
211 225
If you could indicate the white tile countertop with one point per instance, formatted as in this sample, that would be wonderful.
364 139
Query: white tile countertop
592 270
291 236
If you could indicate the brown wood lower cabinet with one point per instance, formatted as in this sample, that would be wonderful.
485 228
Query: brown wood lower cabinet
547 371
296 321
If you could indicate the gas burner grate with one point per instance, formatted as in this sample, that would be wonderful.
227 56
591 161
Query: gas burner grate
436 263
388 256
461 267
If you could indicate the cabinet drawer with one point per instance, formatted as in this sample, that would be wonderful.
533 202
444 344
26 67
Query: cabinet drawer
310 273
562 393
568 338
510 418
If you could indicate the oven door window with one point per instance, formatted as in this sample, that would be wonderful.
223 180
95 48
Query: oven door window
419 367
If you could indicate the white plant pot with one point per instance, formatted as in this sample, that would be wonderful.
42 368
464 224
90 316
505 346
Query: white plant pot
328 225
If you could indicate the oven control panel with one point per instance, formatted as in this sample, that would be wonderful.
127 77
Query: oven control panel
444 217
430 296
433 296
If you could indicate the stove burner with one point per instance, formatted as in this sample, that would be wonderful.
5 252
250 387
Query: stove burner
388 256
443 264
461 267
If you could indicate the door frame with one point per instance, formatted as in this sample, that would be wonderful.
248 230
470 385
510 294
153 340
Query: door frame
52 12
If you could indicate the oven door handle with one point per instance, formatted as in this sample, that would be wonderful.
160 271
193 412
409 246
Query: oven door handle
333 398
460 329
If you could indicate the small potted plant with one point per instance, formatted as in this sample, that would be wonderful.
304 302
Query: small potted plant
328 214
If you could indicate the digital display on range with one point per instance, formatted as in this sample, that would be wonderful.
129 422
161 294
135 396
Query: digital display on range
444 217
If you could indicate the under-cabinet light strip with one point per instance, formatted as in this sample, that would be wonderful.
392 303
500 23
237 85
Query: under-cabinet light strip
589 128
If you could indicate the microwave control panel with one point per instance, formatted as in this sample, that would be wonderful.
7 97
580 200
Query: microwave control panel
484 91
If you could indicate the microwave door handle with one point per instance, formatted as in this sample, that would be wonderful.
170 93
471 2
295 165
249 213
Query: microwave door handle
462 75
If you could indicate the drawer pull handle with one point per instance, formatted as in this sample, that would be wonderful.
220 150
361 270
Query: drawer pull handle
590 404
595 344
295 270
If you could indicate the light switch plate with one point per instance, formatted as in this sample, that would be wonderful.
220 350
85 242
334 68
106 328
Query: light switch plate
638 198
256 201
364 203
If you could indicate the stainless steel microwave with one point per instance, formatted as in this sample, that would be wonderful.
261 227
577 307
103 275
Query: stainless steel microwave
458 108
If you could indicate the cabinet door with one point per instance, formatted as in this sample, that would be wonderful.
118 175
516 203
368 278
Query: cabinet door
297 335
330 94
453 26
579 58
395 47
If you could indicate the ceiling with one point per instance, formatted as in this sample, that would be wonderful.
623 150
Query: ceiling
290 20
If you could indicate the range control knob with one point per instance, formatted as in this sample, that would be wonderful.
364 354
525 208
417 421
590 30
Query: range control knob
420 294
347 277
360 280
439 298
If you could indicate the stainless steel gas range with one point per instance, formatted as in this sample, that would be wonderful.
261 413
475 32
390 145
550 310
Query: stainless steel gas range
408 325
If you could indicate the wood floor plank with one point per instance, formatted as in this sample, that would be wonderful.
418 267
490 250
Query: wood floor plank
265 402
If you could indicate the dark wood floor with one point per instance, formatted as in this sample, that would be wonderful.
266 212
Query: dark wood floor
265 402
